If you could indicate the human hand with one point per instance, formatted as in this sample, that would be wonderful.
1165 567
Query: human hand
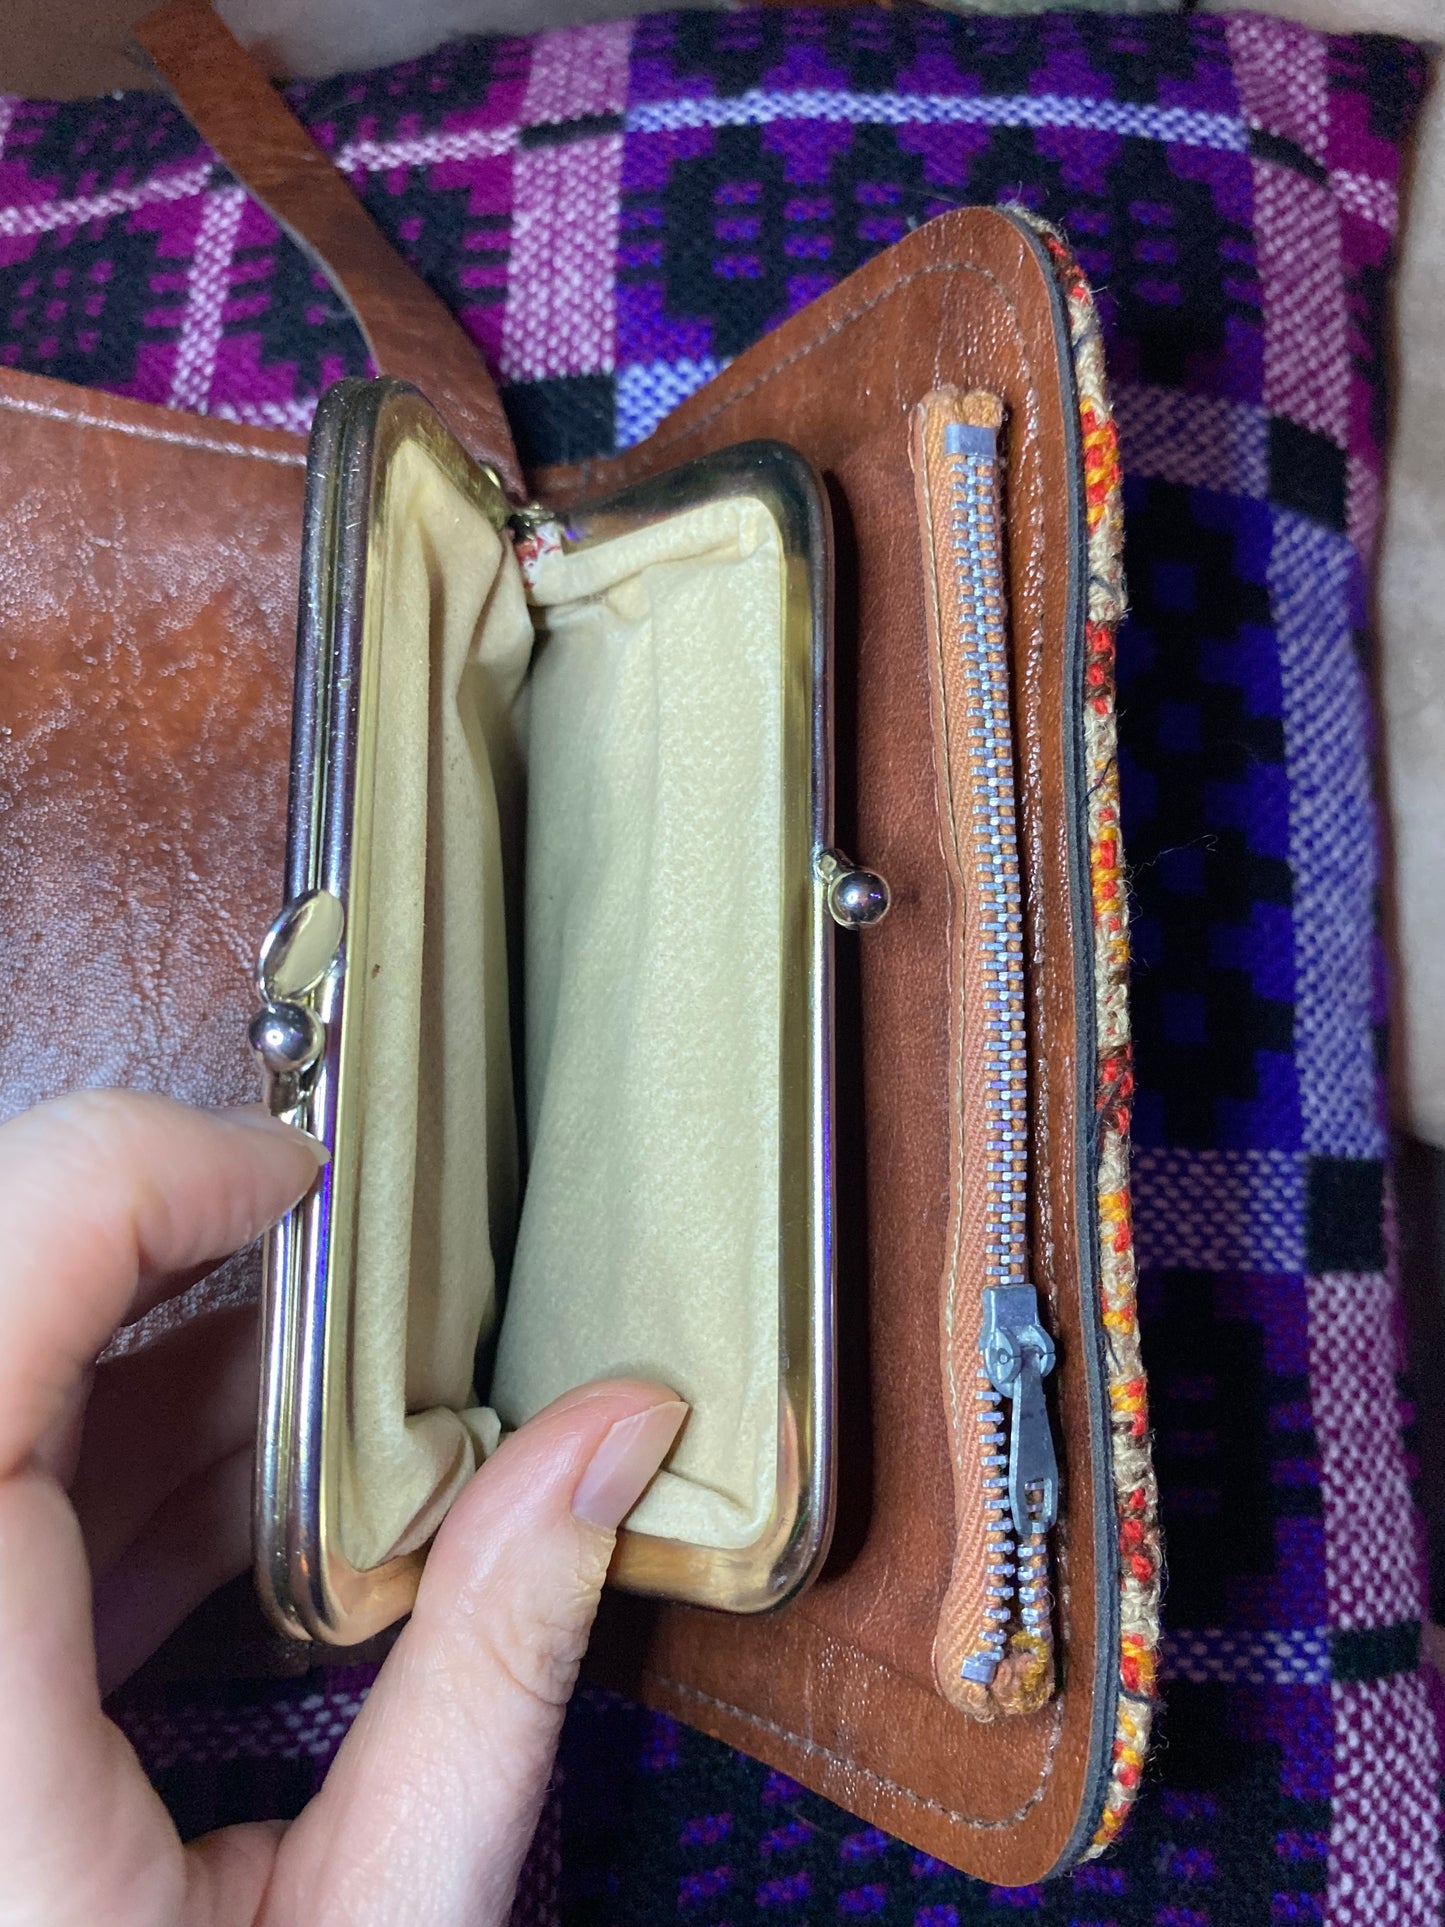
136 1474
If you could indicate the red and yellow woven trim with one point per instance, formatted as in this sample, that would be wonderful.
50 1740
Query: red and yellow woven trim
1136 1495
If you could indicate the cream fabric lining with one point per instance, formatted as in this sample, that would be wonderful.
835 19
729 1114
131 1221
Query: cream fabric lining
647 1234
426 982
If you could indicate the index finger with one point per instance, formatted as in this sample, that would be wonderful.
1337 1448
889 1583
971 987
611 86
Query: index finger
102 1196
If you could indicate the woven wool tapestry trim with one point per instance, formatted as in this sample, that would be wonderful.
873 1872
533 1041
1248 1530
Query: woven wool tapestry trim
615 212
1136 1494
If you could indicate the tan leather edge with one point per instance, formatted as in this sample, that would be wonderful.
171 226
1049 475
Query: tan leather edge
408 330
891 1804
62 401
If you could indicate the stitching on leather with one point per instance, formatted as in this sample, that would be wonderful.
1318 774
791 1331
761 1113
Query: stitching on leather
656 442
143 432
815 1750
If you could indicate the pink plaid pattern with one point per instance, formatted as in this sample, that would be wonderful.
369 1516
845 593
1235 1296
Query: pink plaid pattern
1385 1860
1372 1558
561 315
580 71
1306 354
206 298
1281 71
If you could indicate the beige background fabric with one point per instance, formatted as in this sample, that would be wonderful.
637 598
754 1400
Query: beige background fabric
425 1050
650 1229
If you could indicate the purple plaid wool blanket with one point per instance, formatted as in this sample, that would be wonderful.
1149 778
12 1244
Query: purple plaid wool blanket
614 211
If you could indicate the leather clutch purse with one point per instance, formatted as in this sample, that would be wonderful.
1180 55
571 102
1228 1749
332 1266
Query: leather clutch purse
571 765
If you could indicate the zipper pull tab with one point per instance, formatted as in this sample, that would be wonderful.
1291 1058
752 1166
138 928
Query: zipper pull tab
1017 1356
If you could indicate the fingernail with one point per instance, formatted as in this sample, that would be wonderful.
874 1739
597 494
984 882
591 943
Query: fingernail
255 1117
625 1463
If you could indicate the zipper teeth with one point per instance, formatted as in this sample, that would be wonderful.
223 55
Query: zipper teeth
1001 1567
993 1651
971 457
1033 1577
973 464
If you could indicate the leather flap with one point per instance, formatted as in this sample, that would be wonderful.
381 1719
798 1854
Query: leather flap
839 1689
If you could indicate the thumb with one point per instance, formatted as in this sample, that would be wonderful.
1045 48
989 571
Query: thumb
430 1806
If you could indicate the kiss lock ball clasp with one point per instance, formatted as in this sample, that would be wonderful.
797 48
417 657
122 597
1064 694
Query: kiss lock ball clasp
299 949
856 898
288 1038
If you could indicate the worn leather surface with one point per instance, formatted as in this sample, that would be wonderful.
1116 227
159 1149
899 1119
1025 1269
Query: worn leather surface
148 569
408 330
838 1690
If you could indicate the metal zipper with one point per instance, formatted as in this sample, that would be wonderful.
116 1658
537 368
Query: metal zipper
1002 1647
1022 1483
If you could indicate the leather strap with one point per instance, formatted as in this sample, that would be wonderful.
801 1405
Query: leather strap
408 330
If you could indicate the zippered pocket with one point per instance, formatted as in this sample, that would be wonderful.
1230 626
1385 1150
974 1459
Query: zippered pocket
994 1650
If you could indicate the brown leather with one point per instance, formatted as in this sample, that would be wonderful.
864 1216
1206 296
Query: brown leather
408 331
148 568
148 576
838 1690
